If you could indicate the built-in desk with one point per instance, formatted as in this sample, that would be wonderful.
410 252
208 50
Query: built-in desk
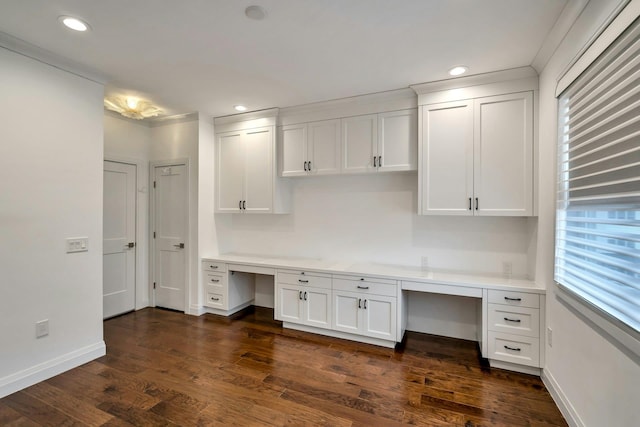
368 302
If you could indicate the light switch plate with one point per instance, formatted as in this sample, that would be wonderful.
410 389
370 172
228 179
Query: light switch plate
77 244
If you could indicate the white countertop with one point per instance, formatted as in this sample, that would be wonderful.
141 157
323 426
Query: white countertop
395 272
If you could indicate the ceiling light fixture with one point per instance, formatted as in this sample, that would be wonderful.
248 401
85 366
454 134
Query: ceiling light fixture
458 70
75 24
131 107
240 108
255 12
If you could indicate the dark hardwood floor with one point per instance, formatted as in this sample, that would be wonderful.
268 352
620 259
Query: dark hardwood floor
166 368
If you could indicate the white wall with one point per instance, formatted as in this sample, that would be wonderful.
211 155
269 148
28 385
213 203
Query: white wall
179 140
50 189
597 381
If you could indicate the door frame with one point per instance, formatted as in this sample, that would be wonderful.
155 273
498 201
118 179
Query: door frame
139 301
182 161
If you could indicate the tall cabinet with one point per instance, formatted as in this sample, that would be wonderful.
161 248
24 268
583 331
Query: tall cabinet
477 148
246 173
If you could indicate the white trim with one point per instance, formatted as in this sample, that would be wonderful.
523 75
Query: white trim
522 73
226 313
615 24
43 371
183 161
39 54
339 334
499 364
196 310
558 396
141 301
617 330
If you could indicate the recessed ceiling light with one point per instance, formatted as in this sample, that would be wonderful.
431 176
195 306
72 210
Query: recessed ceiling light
456 71
255 12
74 23
240 107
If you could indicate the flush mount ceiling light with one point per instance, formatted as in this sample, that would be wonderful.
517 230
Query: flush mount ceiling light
458 70
131 107
240 108
75 24
255 12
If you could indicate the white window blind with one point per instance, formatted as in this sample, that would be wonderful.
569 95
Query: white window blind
598 210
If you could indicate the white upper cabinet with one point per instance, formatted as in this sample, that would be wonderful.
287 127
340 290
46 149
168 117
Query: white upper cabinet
447 158
380 142
310 148
398 140
477 156
246 175
503 155
360 143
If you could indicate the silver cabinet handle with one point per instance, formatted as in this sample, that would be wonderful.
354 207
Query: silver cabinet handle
363 287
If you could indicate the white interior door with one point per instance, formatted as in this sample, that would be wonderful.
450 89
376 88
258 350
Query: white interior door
170 223
119 232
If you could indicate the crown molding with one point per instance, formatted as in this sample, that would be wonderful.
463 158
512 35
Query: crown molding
37 53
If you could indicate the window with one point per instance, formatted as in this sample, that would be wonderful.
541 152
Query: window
598 210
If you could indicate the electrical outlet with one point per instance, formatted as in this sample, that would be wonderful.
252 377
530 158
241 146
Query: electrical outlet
77 244
425 263
507 269
550 337
42 328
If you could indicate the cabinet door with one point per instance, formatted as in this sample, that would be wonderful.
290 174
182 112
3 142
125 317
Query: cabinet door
259 170
398 140
229 172
293 143
346 313
379 316
323 146
359 143
288 304
317 307
504 154
446 171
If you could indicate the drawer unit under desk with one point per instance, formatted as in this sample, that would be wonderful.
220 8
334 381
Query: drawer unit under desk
303 278
366 285
214 266
514 320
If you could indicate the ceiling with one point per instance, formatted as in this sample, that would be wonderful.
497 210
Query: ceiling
207 56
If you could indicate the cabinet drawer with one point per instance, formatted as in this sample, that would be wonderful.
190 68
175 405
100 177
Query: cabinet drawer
214 266
215 300
366 287
514 320
316 280
518 299
514 348
215 279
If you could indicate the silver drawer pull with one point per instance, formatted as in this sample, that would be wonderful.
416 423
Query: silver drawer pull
303 281
363 287
213 267
512 348
512 320
215 299
215 280
512 299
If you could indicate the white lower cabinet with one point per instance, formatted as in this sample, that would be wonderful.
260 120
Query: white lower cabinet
303 298
364 314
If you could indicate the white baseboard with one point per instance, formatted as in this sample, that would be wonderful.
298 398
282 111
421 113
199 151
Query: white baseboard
568 411
530 370
196 310
30 376
339 334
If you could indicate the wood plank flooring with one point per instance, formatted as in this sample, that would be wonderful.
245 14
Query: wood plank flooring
166 368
